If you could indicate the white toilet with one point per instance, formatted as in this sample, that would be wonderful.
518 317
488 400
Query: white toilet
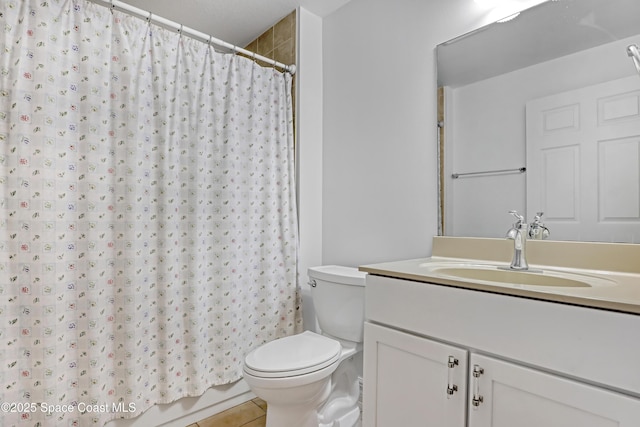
311 380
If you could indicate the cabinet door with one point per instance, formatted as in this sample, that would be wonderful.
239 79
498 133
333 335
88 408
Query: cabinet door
409 381
513 395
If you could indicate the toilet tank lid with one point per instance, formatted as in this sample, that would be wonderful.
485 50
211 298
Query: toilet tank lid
338 274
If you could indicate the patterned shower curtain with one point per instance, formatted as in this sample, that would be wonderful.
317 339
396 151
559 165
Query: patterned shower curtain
147 214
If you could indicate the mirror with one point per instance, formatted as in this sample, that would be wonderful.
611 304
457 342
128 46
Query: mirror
522 108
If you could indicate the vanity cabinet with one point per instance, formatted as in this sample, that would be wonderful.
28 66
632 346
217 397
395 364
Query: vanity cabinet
509 395
413 380
448 357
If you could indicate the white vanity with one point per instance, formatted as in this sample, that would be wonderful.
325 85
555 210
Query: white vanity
443 350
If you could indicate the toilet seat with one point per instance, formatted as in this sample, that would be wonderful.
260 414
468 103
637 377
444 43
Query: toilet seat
294 355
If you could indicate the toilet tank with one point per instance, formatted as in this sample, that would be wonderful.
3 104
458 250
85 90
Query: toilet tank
338 299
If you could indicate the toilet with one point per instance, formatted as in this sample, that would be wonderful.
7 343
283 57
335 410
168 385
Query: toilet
311 379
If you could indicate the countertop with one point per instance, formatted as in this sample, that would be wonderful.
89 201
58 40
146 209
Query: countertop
622 296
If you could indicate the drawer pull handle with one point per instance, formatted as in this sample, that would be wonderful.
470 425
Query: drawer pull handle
477 399
451 387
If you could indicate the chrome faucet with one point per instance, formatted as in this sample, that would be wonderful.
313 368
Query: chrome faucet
537 230
518 233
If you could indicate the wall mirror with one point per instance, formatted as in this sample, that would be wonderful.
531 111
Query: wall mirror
541 113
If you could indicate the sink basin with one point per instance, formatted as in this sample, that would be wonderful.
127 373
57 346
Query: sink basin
493 274
513 277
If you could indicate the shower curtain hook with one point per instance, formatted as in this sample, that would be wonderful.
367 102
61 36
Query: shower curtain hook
113 6
149 17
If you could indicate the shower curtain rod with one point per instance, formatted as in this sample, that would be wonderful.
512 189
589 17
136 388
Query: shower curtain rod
116 4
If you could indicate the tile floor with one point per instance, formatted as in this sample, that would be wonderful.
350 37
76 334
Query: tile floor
249 414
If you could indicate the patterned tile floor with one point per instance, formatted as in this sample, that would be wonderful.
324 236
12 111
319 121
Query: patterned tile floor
249 414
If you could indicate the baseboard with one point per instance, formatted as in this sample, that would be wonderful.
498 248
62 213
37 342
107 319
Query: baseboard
189 410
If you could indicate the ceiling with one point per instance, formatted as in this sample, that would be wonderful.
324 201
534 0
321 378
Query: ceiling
238 22
542 33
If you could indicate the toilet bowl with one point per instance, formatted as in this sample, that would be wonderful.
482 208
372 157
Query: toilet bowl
311 379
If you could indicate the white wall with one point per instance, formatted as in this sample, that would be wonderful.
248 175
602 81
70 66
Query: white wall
379 163
487 128
309 152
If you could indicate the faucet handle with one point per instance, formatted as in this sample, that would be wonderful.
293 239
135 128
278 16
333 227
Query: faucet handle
537 230
519 217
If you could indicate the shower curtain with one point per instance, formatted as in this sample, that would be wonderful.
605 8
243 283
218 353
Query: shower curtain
147 213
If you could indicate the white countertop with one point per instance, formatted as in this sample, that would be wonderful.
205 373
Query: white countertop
622 296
